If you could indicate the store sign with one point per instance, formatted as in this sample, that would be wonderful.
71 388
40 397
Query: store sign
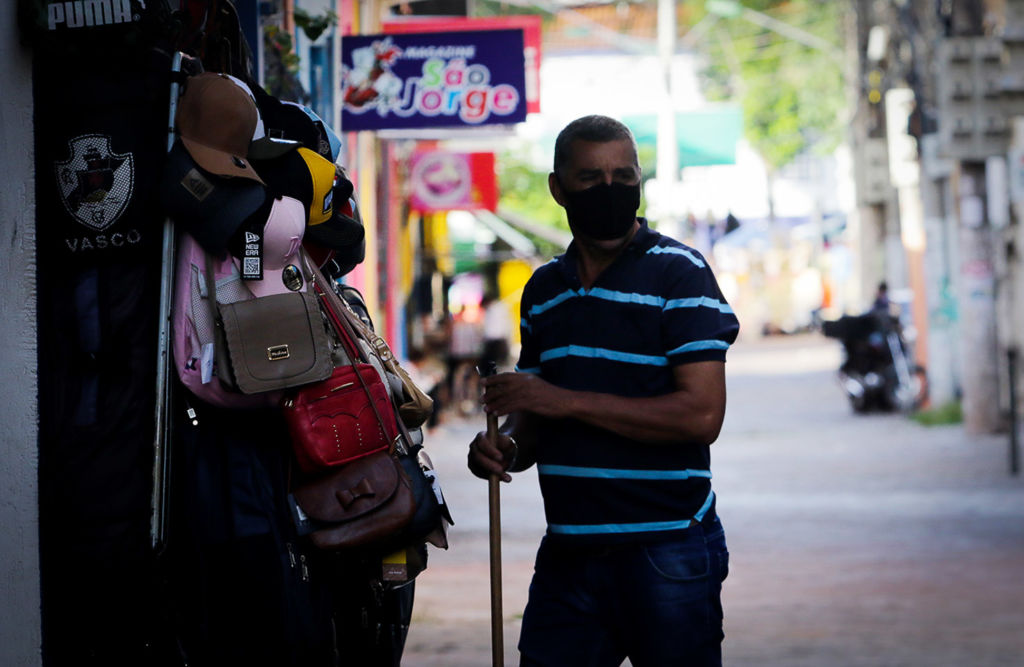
445 181
439 79
529 23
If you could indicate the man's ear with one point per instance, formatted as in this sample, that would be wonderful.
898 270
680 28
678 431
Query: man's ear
556 189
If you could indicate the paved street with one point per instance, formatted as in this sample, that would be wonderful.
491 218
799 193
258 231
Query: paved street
854 540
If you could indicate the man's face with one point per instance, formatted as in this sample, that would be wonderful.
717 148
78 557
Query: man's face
610 164
594 162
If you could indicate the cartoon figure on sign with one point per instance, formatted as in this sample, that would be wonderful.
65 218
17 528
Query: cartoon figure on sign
370 77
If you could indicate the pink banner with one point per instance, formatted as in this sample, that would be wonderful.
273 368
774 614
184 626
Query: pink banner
444 181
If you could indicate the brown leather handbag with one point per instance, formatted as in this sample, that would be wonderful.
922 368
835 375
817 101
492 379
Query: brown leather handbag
364 503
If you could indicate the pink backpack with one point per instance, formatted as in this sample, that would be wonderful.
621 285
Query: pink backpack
193 329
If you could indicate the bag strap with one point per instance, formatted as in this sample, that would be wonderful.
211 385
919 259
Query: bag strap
220 354
333 305
358 329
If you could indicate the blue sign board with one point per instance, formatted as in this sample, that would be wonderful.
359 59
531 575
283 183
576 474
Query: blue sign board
433 79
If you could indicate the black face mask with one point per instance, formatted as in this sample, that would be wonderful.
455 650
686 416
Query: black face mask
603 212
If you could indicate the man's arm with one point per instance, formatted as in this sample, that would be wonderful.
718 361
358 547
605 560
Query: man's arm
692 413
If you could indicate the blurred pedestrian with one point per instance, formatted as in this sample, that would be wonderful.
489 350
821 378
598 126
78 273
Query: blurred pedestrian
497 326
619 391
464 347
881 303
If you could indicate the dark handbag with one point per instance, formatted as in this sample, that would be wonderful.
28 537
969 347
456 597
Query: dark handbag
364 503
336 421
431 518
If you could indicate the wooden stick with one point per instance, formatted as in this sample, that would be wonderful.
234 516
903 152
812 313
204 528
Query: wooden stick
497 629
494 506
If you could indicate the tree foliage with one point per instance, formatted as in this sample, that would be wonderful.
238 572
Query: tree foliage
524 190
314 25
792 94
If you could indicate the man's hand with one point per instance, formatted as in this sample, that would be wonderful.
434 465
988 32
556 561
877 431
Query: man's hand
506 393
487 458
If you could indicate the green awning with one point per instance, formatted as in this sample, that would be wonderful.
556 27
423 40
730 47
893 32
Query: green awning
704 137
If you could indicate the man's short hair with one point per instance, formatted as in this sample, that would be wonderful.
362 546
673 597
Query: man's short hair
590 128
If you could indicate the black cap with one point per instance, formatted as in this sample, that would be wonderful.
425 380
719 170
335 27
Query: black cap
210 208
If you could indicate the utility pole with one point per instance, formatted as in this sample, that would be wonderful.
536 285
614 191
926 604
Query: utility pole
974 114
904 172
943 351
668 150
978 305
868 138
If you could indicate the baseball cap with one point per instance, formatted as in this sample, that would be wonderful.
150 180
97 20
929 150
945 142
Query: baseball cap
290 121
339 233
304 175
282 238
261 146
342 238
209 208
216 120
323 139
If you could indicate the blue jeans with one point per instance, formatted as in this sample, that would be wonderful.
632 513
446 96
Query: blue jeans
658 603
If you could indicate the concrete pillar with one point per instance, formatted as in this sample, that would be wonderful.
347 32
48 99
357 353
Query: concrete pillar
20 624
942 310
998 215
978 307
1014 243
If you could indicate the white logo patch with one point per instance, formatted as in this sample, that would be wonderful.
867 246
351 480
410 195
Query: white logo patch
89 13
95 183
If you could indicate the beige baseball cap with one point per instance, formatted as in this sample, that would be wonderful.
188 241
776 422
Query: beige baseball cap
216 120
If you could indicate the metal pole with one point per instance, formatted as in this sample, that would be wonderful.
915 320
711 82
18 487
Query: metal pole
161 439
1011 363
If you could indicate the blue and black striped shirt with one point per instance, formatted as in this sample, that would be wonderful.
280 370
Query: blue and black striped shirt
658 305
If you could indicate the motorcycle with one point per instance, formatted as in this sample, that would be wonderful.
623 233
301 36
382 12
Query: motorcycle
878 372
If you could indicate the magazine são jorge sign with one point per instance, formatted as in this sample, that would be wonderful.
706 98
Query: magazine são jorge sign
439 79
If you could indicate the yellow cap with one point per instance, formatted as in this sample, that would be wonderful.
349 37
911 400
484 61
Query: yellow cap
321 171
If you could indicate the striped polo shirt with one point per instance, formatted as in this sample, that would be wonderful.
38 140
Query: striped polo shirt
658 305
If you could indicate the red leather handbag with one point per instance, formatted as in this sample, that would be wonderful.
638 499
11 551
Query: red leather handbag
346 417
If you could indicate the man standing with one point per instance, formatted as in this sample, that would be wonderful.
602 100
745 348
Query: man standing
619 392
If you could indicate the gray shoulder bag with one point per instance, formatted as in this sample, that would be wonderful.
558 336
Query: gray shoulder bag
272 342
